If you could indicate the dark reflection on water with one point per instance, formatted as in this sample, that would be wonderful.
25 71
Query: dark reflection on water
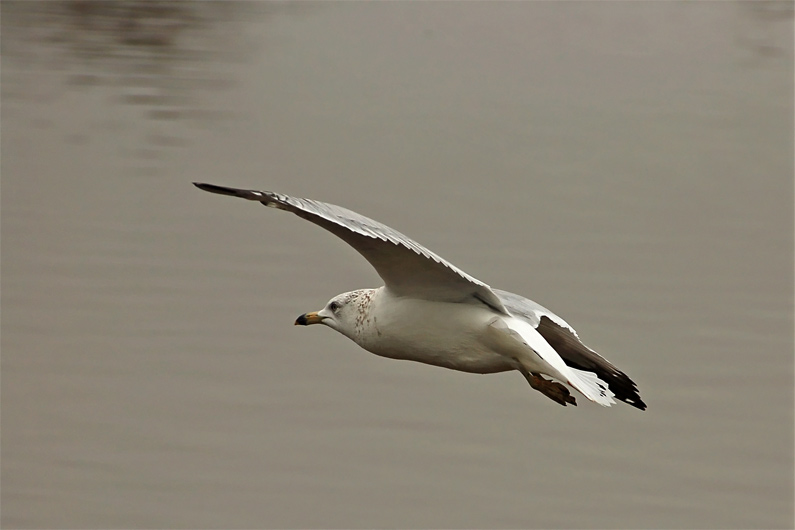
155 57
762 25
158 57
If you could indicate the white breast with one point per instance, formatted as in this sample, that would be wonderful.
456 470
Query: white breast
438 333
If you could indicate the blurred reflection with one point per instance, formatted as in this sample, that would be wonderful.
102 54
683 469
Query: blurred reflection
762 28
154 56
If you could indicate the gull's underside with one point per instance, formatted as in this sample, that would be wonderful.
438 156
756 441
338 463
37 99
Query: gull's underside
524 335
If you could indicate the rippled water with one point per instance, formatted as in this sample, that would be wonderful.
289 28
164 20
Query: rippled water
628 165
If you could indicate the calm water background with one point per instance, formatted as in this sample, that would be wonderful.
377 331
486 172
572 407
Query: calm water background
629 165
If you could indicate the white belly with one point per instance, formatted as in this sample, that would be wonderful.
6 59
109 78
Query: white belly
439 333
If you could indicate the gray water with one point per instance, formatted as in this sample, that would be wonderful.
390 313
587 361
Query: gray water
629 165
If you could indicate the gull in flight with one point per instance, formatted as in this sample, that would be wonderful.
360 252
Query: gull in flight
430 311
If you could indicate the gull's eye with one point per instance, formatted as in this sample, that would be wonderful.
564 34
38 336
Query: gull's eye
334 306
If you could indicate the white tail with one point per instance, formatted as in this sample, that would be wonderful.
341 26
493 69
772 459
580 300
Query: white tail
586 382
592 387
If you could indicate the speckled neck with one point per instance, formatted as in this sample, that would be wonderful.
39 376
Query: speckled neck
362 300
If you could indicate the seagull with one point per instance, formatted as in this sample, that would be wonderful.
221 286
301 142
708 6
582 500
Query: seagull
432 312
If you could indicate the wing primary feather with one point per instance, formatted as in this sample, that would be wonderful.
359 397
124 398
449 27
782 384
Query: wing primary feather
406 267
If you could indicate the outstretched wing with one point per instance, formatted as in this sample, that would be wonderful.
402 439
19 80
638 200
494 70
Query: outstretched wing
564 340
407 268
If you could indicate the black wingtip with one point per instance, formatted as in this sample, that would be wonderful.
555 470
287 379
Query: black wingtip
638 404
212 188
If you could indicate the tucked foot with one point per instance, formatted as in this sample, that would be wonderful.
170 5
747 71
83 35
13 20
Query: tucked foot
553 390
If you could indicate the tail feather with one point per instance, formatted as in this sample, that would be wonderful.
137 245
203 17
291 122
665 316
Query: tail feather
592 387
535 348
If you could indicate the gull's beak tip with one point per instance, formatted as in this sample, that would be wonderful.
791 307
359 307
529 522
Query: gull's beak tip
308 318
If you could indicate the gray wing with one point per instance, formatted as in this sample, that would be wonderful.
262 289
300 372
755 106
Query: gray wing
407 268
564 340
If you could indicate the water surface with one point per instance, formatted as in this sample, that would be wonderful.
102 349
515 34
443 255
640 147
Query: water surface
627 165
